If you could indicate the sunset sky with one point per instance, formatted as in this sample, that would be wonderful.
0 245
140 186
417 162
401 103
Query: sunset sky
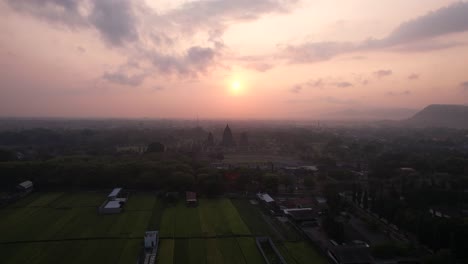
269 59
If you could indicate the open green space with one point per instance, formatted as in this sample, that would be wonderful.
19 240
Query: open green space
66 227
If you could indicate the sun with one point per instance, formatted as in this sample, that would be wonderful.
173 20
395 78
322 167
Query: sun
235 87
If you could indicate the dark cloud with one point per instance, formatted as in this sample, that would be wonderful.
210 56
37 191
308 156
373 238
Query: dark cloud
464 85
406 37
124 79
152 37
446 20
196 60
404 93
296 89
259 66
383 73
343 84
115 21
319 83
413 76
317 51
334 100
65 12
427 46
80 49
217 14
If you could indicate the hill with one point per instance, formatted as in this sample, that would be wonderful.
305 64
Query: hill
452 116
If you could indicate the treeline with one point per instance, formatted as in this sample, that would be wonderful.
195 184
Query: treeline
148 172
151 171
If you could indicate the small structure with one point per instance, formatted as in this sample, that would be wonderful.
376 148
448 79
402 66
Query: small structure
191 199
298 215
265 197
151 239
25 187
150 250
346 254
114 202
114 194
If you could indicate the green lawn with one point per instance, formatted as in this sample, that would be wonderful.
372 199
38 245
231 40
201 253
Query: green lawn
89 237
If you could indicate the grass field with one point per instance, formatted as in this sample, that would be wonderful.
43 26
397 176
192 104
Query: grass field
65 227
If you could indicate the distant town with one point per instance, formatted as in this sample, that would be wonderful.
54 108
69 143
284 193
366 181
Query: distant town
234 193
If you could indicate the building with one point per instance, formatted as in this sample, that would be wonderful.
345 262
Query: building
114 203
350 254
210 140
228 139
265 197
244 139
151 242
114 194
25 187
151 239
191 199
299 215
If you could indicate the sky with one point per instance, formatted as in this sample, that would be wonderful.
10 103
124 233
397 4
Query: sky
243 59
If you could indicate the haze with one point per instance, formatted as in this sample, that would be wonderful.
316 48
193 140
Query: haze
267 59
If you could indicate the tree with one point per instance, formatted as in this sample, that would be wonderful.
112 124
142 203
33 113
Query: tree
270 182
309 181
365 201
155 147
6 155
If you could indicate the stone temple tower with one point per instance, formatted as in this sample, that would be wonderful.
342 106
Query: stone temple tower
228 139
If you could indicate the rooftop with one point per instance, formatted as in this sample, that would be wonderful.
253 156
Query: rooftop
112 204
26 184
191 196
351 254
265 197
115 192
301 214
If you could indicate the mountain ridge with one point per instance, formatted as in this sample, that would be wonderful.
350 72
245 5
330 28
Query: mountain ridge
440 115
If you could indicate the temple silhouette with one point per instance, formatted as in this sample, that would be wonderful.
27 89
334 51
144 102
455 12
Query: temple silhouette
228 139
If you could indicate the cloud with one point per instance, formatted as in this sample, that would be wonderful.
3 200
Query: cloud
296 89
334 100
259 66
317 51
157 88
115 21
446 20
408 36
343 84
319 83
413 76
195 60
383 73
464 85
80 49
216 15
124 79
185 41
315 83
66 12
404 93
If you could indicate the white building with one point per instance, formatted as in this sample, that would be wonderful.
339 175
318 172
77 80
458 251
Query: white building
113 204
26 186
114 194
151 239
